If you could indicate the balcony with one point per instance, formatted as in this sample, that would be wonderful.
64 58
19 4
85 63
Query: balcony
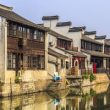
12 43
75 49
35 44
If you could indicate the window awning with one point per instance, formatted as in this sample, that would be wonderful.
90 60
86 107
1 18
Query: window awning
95 53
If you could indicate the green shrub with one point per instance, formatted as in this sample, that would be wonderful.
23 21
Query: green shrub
92 92
17 79
85 76
62 108
92 77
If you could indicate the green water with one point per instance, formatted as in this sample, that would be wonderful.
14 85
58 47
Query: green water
89 98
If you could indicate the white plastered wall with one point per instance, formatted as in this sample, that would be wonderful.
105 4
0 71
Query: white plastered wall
3 48
76 37
51 66
90 65
91 36
50 23
62 29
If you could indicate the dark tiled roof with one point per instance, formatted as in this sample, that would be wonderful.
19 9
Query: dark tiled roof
90 40
95 53
12 16
77 29
58 35
69 23
50 17
78 54
41 24
7 7
100 37
89 32
56 54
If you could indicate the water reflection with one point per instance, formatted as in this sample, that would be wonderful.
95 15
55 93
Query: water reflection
88 98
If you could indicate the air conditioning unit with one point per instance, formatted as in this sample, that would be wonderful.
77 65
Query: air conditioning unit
52 43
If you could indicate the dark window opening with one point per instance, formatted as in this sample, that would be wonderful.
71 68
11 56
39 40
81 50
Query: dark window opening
11 61
36 62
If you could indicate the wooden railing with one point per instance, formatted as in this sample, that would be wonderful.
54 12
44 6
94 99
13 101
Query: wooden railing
98 70
75 49
35 44
107 52
12 43
101 70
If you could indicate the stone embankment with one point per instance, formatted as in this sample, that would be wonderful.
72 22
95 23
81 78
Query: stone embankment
14 89
100 78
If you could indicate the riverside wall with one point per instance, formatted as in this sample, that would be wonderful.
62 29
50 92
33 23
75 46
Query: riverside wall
100 78
14 89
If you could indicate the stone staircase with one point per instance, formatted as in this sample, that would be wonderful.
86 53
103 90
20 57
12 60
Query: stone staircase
75 83
54 85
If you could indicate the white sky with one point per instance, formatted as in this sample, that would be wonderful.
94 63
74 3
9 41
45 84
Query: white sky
94 14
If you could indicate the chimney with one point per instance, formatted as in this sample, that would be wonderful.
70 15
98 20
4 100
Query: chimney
50 21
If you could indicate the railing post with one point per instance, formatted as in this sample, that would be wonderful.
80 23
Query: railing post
10 88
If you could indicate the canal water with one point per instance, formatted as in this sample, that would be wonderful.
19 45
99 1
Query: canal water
87 98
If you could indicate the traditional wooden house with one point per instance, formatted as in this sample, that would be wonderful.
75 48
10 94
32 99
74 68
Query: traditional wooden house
57 44
77 58
91 55
61 43
56 63
106 49
95 51
22 47
90 45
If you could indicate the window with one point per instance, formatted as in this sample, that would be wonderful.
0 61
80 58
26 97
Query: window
10 29
88 46
36 62
28 33
11 61
39 35
20 32
35 34
31 34
62 63
14 30
67 65
24 32
41 62
98 48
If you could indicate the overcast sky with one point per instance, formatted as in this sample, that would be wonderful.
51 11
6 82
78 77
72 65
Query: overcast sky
94 14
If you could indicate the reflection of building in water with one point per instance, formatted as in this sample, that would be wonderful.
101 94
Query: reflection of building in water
57 106
102 101
33 102
73 103
108 96
88 100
